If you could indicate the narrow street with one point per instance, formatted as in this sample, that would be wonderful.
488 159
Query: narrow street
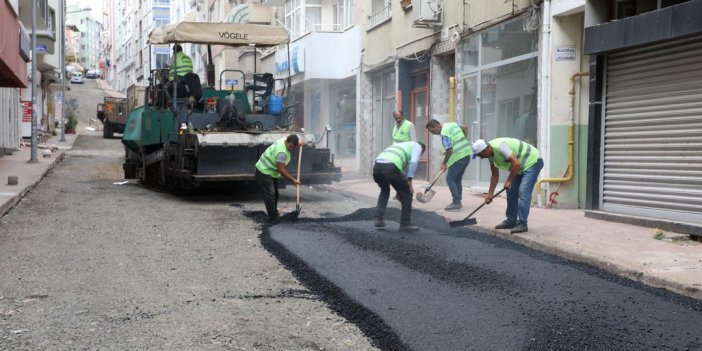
102 264
95 265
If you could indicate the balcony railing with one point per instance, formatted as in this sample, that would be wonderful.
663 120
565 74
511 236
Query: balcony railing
380 17
317 28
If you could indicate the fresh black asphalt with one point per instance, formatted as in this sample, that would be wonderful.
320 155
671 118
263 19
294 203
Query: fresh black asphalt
458 289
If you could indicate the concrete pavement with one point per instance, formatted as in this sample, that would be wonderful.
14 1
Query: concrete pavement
673 263
28 174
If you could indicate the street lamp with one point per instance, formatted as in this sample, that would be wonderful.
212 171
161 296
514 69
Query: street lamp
63 64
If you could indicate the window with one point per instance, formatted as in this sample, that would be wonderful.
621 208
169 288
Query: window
380 12
500 87
347 13
303 16
161 60
383 104
313 15
377 5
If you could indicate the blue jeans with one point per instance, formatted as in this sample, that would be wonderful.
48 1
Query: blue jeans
519 194
454 176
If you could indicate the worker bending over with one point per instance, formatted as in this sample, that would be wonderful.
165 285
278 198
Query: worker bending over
395 167
269 168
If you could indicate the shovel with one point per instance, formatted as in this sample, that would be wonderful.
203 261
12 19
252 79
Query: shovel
428 194
292 216
471 221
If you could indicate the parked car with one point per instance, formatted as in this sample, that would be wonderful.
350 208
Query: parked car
77 78
92 74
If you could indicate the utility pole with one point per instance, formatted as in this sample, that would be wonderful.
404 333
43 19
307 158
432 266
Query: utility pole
63 69
33 157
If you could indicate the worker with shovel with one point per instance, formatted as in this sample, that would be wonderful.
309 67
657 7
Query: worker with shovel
395 167
456 158
523 162
269 168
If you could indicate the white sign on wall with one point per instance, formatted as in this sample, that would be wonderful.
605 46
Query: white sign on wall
565 53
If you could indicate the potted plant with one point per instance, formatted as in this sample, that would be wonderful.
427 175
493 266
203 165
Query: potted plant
72 121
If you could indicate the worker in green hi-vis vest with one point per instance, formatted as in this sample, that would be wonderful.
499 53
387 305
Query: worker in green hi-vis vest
178 65
456 158
524 163
395 167
271 166
403 130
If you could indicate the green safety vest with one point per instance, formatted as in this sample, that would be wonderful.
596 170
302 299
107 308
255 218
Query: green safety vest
525 153
267 163
402 133
399 154
460 145
182 65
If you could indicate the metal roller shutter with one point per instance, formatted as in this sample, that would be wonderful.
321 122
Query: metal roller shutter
653 132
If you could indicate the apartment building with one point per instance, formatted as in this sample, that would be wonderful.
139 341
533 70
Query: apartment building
88 36
47 65
502 69
322 64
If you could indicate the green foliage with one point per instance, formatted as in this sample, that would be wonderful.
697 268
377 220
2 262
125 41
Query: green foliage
71 119
658 234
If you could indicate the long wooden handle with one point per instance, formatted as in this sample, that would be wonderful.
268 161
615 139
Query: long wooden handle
299 164
483 204
434 181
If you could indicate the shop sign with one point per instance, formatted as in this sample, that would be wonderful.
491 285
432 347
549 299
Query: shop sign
565 53
26 111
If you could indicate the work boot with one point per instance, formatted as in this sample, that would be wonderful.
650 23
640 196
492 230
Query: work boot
408 228
379 223
519 228
454 206
506 224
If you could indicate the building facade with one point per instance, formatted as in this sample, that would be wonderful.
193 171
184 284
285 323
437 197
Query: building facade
645 112
322 63
13 75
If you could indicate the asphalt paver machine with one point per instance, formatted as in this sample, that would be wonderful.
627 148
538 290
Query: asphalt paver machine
187 135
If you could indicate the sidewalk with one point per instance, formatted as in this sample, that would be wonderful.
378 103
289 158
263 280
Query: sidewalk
674 263
28 174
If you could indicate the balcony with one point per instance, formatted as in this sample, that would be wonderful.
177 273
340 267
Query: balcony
379 17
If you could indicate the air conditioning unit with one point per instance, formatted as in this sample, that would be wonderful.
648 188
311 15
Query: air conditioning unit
427 13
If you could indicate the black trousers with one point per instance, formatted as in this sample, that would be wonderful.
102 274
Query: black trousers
386 175
269 187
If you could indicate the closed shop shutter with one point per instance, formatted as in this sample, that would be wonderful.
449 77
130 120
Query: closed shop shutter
653 132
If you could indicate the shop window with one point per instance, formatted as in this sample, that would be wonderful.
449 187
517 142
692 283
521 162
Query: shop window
383 106
500 68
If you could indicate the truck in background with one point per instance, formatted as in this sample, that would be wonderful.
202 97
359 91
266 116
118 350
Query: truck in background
113 114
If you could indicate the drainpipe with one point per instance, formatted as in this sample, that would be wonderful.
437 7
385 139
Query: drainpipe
571 139
452 96
545 83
